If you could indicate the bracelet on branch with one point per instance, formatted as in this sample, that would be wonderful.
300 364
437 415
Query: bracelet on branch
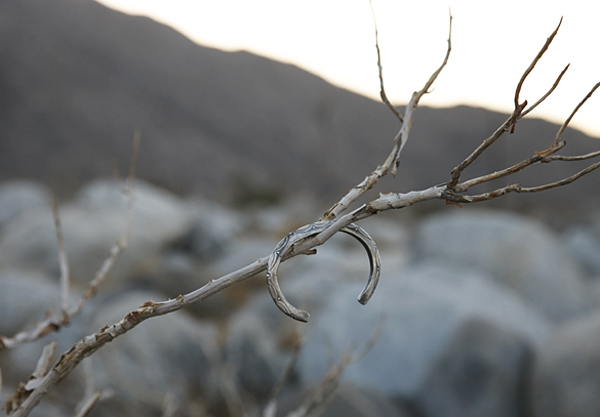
452 191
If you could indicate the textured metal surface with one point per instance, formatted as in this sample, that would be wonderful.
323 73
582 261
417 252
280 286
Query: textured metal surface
309 230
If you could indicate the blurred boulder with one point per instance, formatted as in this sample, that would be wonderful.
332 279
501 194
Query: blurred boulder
25 296
18 196
583 245
518 252
91 224
566 377
421 312
172 354
481 372
348 401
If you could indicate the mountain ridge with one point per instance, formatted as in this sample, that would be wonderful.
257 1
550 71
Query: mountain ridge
79 79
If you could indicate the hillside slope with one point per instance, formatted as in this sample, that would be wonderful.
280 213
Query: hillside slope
77 79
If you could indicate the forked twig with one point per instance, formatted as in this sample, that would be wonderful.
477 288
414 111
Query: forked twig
545 156
516 115
545 96
392 161
533 63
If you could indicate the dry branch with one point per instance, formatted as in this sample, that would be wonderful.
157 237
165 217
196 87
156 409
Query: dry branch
55 320
546 156
393 159
450 191
454 188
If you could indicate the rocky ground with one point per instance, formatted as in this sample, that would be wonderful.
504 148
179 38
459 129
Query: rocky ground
477 312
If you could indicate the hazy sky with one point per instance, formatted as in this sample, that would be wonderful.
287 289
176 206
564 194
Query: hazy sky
493 43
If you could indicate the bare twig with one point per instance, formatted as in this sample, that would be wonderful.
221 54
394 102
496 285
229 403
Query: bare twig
169 406
545 156
392 161
89 404
224 373
528 71
560 183
545 96
457 172
573 158
315 404
92 396
55 320
322 397
41 369
517 188
271 407
402 136
566 122
229 389
511 122
536 158
382 93
62 258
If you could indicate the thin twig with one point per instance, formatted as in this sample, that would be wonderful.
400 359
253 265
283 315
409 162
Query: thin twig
271 407
323 396
62 258
458 170
536 158
560 183
517 188
169 405
382 93
545 96
402 137
14 401
392 161
55 320
545 156
91 396
511 122
315 404
566 122
89 403
573 158
533 63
